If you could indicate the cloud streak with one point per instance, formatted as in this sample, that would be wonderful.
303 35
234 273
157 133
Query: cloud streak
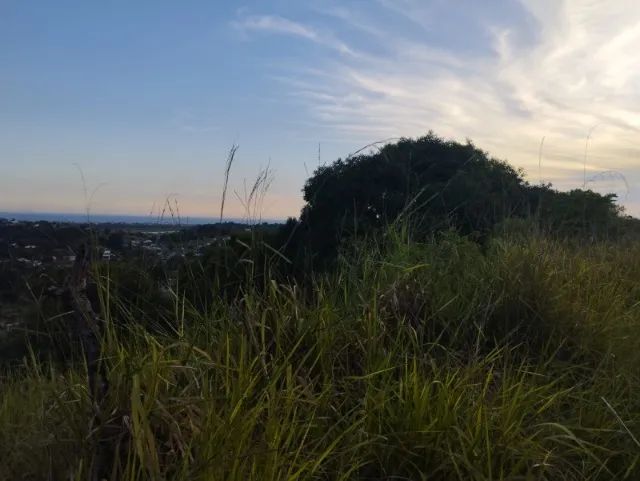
281 25
577 67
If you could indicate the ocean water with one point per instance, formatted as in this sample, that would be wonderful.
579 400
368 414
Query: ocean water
119 219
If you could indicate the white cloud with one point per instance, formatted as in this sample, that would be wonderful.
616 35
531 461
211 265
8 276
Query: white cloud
581 69
278 24
274 23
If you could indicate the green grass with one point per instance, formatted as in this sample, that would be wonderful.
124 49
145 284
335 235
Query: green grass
443 360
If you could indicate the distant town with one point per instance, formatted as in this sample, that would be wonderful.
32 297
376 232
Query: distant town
37 255
42 243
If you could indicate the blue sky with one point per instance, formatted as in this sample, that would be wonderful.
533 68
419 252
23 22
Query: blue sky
148 96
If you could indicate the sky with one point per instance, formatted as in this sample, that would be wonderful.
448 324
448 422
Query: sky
118 106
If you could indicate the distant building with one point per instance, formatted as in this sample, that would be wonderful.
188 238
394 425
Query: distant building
107 255
29 262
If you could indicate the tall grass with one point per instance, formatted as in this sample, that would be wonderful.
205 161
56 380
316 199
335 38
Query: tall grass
434 360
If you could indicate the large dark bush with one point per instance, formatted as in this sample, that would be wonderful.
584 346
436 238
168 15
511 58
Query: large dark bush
438 184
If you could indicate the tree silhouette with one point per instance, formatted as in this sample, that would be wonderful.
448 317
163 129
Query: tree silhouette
437 184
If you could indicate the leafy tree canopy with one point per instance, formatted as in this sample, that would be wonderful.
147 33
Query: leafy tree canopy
438 184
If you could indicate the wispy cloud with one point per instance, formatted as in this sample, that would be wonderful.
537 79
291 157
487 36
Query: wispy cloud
281 25
579 68
277 24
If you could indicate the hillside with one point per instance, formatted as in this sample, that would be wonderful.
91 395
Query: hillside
433 360
489 340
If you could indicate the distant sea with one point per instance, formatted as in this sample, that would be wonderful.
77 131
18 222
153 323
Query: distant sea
119 219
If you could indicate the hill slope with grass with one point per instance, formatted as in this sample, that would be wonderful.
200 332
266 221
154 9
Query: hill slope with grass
414 360
438 336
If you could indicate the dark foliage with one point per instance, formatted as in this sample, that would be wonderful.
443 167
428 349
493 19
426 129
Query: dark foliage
439 184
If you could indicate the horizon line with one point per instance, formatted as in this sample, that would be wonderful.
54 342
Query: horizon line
76 217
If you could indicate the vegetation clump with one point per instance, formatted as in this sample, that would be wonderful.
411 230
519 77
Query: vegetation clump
439 184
